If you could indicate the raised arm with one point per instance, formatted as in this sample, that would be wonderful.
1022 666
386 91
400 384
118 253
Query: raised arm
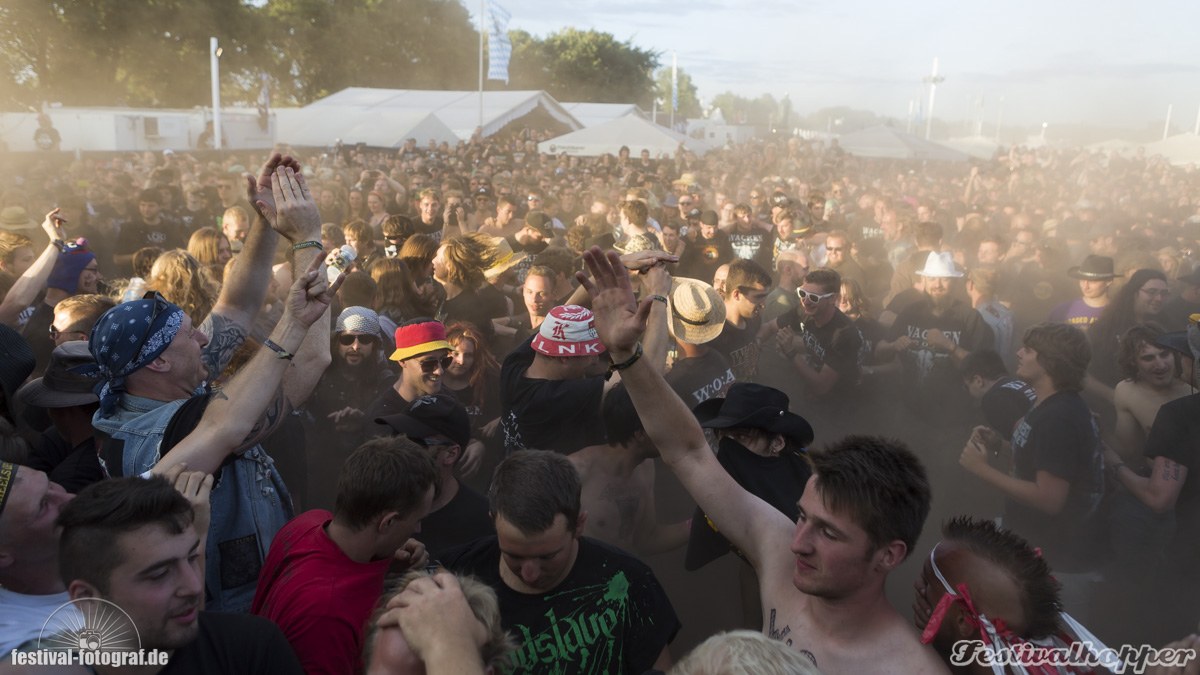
300 221
245 287
24 291
750 523
251 405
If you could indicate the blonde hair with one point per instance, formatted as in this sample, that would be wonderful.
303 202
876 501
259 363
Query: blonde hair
484 605
204 246
183 281
744 652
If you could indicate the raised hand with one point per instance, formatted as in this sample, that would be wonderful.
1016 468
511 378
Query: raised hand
298 218
620 319
311 294
412 555
195 486
258 192
53 226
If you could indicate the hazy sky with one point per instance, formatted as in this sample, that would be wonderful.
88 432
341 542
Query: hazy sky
1062 61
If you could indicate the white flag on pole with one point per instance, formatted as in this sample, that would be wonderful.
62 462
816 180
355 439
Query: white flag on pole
499 47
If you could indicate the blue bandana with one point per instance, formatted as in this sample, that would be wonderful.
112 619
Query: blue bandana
126 338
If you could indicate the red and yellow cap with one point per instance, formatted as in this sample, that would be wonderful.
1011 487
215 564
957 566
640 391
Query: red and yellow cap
419 338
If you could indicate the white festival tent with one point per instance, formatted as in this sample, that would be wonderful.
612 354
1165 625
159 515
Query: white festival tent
592 114
318 127
1179 150
634 131
980 147
887 143
459 111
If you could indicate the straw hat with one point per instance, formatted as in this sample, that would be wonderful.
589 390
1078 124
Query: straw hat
697 311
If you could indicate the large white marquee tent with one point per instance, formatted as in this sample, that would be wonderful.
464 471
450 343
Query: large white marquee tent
631 130
355 113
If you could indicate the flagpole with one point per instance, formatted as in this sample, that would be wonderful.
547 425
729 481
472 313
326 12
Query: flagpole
482 5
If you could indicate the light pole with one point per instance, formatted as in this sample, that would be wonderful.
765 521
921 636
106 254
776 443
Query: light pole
1044 126
214 61
933 81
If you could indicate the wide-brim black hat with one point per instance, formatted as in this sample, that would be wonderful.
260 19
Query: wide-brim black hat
754 406
60 386
1094 268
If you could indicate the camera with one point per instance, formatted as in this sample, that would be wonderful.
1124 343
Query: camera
89 639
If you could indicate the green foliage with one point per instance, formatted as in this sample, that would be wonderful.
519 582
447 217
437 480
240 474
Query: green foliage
763 111
689 101
155 52
117 52
574 65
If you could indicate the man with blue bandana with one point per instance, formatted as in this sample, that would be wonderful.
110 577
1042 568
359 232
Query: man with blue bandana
156 412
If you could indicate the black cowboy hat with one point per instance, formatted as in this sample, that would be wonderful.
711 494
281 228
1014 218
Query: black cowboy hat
757 407
1094 268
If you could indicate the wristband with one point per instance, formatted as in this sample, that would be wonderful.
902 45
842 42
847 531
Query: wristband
308 244
616 367
59 244
660 298
280 352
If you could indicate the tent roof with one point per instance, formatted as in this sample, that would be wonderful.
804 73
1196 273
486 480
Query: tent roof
320 126
887 143
458 110
1179 149
631 130
975 146
591 114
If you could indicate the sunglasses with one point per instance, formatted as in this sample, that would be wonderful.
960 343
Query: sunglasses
346 339
430 365
813 297
55 332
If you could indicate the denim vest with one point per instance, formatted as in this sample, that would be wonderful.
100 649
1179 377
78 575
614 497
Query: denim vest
249 502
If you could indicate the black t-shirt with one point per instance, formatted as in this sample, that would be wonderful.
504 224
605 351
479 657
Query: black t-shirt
558 415
779 481
1006 403
753 245
702 257
37 333
838 344
235 643
609 615
938 394
698 379
166 234
463 519
487 408
1175 435
1060 437
389 402
740 347
471 307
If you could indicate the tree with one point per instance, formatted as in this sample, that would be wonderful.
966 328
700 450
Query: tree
89 52
574 65
763 111
323 46
689 102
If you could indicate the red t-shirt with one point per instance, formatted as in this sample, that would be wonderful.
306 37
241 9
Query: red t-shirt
319 597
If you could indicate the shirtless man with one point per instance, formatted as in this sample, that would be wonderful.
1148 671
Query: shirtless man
618 484
1152 379
821 578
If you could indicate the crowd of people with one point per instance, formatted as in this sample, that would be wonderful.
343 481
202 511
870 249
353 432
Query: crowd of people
443 407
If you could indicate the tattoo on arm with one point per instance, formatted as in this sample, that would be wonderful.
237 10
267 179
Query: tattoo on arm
224 338
277 411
